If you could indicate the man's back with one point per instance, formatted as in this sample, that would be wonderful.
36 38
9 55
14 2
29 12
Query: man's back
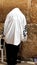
15 19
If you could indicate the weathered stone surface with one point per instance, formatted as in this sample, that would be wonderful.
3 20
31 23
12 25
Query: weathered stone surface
1 28
28 7
33 11
7 5
29 48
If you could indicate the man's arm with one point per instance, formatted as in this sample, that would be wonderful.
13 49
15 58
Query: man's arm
24 30
6 24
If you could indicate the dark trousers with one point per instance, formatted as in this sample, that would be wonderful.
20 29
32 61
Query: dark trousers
11 53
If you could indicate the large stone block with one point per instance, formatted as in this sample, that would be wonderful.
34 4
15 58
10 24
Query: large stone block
33 11
28 7
29 48
1 28
8 5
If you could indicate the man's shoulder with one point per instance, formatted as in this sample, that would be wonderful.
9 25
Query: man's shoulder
9 14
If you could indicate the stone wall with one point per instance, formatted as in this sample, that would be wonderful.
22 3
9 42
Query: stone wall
29 48
29 8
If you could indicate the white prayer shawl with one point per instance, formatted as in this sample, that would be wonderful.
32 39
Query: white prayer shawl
14 26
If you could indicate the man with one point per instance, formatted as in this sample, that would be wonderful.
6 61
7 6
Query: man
15 32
